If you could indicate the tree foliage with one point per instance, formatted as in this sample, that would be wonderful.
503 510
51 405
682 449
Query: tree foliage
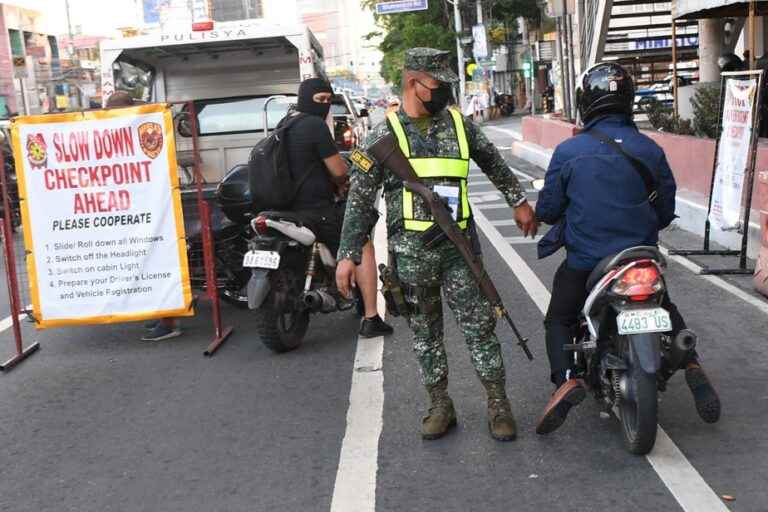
706 109
434 28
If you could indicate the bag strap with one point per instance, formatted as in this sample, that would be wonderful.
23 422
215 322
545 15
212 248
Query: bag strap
637 164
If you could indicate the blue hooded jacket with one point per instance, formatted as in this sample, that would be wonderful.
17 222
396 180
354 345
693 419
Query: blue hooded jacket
600 197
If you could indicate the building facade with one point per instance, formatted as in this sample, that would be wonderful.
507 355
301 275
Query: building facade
29 62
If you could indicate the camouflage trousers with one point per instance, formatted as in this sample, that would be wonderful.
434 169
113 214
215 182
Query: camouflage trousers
443 267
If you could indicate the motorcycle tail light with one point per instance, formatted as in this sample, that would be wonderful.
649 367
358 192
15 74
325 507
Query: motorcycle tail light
639 282
259 225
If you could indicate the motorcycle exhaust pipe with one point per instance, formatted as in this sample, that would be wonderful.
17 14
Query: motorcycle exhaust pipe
318 300
682 345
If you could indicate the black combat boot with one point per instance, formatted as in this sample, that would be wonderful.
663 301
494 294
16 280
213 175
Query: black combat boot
501 422
442 416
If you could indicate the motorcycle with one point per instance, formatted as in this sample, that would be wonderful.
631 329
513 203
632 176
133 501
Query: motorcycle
292 276
273 265
622 348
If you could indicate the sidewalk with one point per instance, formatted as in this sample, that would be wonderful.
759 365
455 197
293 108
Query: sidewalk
691 207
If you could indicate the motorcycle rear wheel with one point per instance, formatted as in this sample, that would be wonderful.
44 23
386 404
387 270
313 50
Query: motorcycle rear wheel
281 332
639 414
282 328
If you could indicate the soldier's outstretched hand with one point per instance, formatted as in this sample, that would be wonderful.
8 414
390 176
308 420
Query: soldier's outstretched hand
345 277
525 219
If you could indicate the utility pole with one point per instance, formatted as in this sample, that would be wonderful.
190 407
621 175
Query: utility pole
479 12
459 55
71 51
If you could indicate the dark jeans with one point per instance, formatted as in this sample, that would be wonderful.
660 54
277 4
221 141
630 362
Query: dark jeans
569 293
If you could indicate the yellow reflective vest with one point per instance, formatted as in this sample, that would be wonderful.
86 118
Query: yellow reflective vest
450 168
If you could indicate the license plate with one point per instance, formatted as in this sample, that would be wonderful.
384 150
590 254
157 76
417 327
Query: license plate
639 321
261 259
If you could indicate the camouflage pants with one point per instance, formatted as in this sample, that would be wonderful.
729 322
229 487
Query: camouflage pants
444 267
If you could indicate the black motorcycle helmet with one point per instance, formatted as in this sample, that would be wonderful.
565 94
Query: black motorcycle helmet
730 62
605 88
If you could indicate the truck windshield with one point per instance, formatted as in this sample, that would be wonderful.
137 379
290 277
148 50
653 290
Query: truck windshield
239 115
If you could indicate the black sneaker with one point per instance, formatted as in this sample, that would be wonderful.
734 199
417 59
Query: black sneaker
372 327
162 332
704 394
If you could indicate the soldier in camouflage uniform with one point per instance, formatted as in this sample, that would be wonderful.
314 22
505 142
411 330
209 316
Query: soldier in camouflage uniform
439 143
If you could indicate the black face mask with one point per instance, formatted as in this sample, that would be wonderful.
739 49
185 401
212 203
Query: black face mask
307 91
441 95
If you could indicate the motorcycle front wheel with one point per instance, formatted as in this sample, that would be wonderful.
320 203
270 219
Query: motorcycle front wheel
639 411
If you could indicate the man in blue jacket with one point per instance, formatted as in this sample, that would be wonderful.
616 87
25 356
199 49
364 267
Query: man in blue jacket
599 203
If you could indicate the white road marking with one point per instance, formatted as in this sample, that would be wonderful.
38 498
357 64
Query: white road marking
522 240
681 478
490 206
717 281
518 172
523 174
355 486
496 206
515 135
7 322
503 222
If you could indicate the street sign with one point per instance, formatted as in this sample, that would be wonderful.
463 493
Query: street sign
527 65
401 6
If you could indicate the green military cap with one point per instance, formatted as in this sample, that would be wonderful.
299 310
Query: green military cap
434 62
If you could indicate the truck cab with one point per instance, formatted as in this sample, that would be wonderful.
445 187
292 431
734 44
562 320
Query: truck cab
241 76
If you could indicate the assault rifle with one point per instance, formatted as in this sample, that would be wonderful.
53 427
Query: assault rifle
388 154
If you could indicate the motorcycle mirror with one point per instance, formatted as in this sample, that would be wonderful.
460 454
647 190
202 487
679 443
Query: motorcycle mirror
537 184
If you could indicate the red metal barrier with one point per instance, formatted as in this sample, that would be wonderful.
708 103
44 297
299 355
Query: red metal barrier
12 281
221 333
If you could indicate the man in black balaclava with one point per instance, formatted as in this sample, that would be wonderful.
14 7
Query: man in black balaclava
312 150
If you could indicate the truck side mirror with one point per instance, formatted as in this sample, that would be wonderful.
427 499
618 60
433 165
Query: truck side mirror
183 125
363 112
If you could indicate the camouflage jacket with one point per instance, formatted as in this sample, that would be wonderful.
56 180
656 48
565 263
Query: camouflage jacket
440 141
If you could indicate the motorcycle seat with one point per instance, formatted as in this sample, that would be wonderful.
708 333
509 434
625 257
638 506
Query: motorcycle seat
281 215
608 263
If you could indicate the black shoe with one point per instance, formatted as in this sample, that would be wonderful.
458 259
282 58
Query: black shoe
704 394
372 327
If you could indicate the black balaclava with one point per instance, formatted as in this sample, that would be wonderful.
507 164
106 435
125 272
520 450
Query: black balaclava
307 90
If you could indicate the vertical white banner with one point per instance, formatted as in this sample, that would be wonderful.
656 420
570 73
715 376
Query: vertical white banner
733 153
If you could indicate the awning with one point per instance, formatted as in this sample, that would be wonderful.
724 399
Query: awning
698 9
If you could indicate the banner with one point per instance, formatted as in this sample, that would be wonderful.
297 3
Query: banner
733 153
101 212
